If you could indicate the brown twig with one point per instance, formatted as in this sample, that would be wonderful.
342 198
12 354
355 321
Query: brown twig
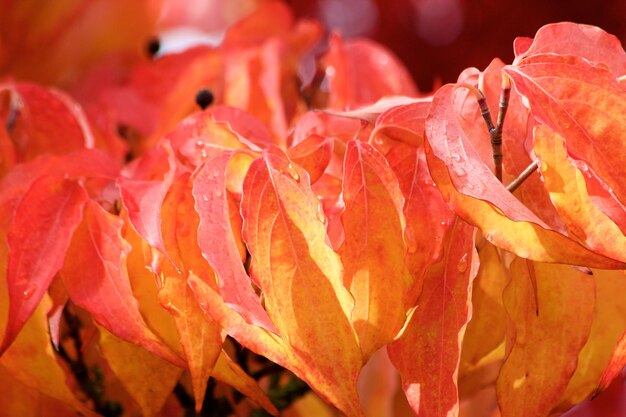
514 185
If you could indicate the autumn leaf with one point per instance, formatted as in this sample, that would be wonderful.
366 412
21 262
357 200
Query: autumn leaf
143 186
360 72
134 366
583 104
476 195
313 154
589 42
97 246
209 191
373 251
300 277
38 239
428 352
537 339
568 192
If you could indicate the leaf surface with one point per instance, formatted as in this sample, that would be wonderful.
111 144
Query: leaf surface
146 377
537 338
476 195
217 241
373 250
313 154
590 42
584 104
568 191
38 239
300 276
97 246
428 352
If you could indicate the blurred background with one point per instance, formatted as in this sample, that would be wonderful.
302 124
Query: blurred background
437 39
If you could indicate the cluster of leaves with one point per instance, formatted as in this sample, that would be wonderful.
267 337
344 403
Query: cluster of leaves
321 214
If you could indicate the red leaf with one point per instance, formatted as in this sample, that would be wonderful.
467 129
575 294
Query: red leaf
476 195
42 117
313 154
584 104
616 364
216 240
427 354
38 239
427 214
97 249
143 187
566 38
360 72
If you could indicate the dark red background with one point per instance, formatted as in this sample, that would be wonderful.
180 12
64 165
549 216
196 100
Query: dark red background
487 28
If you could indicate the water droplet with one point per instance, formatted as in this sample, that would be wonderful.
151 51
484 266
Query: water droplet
456 157
205 198
459 171
200 144
462 265
291 171
320 213
28 292
172 309
409 239
203 154
218 193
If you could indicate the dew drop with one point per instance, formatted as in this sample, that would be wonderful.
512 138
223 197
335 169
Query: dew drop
205 198
200 144
203 154
409 239
291 171
462 265
456 157
459 171
320 213
218 193
28 292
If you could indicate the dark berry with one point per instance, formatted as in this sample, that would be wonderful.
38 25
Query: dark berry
153 47
204 98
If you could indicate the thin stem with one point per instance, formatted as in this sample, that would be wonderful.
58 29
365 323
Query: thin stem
496 134
514 185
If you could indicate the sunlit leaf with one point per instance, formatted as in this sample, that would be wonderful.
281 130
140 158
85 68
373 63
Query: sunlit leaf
476 195
549 325
97 248
300 276
373 250
38 239
428 352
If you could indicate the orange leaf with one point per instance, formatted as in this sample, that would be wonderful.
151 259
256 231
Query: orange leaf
428 352
147 378
486 330
476 195
300 276
584 104
229 372
38 238
609 322
616 363
313 154
373 250
97 246
543 352
568 192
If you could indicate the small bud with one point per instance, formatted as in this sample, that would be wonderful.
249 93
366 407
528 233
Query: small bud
204 98
153 47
